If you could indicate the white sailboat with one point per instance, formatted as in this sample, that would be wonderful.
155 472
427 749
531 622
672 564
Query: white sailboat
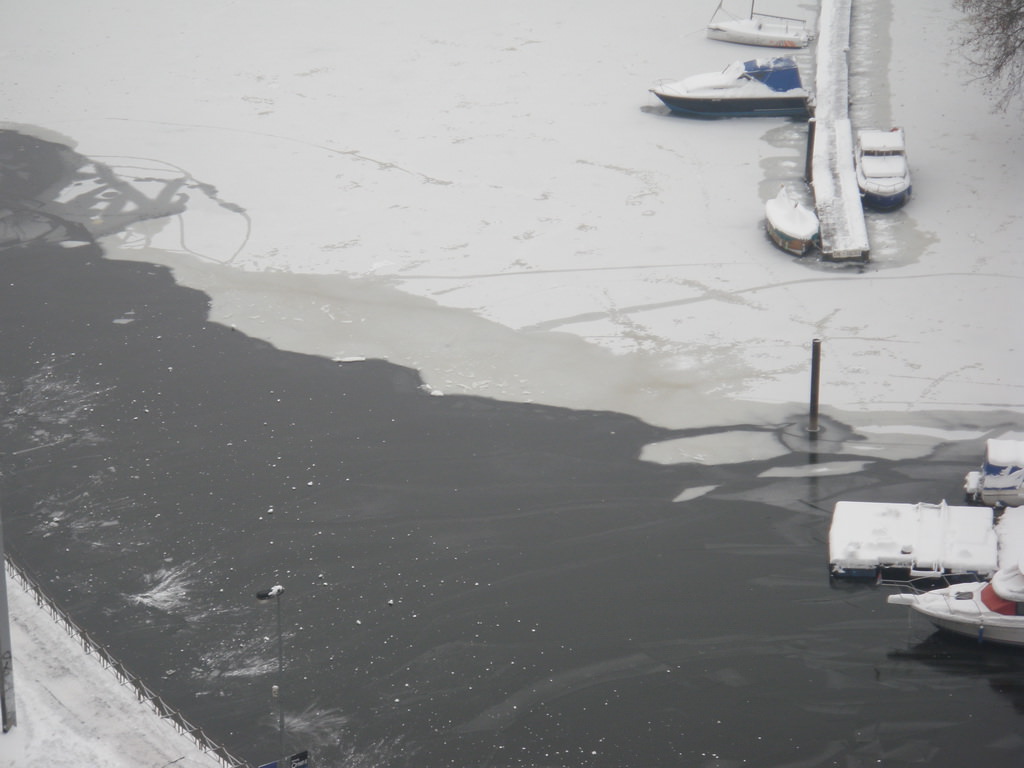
758 29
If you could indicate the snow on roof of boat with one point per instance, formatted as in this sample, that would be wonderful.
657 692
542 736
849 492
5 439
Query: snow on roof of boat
770 62
779 73
786 213
882 141
924 538
711 80
1005 453
884 166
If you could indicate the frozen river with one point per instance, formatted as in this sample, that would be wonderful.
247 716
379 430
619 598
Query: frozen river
476 196
507 387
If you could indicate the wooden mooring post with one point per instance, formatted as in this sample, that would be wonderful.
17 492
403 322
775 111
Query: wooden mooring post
812 425
812 124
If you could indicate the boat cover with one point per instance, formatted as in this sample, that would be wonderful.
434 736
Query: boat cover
1004 455
779 73
1003 469
995 603
1008 583
883 166
789 217
882 141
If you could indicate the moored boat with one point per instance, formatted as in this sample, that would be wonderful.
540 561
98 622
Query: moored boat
756 88
989 611
1000 481
883 174
761 29
793 227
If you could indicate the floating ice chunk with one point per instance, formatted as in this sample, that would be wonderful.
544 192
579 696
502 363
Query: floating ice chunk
693 493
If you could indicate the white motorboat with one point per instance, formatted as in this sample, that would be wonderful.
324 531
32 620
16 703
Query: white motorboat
882 171
988 611
757 88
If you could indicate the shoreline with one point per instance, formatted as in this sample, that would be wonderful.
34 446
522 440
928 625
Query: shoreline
72 707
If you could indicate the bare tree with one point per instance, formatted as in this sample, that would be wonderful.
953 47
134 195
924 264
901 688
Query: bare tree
994 34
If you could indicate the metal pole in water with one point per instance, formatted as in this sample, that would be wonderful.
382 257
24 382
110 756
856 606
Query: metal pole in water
812 426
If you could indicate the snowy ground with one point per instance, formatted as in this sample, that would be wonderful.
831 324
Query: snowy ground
489 194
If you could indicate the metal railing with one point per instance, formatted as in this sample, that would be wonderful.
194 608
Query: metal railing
142 692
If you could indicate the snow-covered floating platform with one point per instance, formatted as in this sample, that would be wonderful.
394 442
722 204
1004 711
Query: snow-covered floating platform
870 540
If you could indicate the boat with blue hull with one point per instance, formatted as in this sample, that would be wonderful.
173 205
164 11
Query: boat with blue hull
1000 480
883 174
756 88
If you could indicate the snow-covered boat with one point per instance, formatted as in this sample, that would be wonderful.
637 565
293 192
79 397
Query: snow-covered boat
793 227
990 611
1000 481
758 29
882 171
755 88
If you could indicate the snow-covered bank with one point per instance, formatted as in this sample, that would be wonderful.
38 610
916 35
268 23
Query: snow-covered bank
72 711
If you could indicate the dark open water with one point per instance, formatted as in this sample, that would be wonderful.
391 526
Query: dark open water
469 582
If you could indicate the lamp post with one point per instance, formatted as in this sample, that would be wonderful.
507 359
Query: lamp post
275 592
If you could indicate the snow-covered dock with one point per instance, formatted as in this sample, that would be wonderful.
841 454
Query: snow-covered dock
871 539
830 136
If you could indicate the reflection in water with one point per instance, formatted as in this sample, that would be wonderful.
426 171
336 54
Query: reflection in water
51 194
956 656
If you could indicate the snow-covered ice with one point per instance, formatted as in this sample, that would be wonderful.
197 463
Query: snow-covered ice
500 203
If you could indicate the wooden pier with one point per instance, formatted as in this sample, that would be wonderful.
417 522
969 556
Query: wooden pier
830 166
